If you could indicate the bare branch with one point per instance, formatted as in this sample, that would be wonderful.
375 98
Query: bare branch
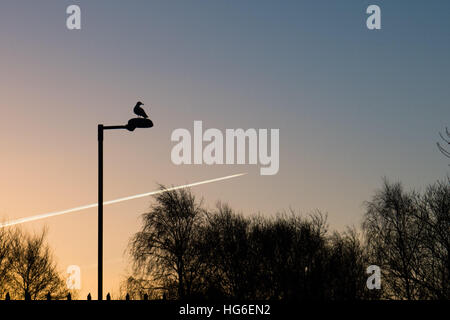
440 147
443 151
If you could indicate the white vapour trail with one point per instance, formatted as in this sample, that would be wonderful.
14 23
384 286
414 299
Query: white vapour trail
58 213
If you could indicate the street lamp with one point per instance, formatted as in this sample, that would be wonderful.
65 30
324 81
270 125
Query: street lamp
130 126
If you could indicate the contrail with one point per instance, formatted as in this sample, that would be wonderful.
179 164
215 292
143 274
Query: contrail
94 205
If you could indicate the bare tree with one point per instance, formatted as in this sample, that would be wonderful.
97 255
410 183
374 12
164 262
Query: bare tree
408 236
434 272
5 250
347 263
394 238
226 255
282 257
33 269
163 250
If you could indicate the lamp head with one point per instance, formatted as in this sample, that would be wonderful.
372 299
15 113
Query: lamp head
139 123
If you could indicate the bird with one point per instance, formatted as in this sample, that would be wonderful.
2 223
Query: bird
139 111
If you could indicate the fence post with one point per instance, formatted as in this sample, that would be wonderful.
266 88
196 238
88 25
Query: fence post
89 297
127 297
108 296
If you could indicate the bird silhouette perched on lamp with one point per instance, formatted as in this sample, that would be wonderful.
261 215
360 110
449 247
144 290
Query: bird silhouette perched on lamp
142 121
139 111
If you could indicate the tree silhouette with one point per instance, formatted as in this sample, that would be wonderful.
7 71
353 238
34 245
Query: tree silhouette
5 260
287 257
185 251
33 271
393 237
347 262
434 272
225 254
163 249
408 236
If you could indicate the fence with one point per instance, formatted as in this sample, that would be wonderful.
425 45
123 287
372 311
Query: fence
48 296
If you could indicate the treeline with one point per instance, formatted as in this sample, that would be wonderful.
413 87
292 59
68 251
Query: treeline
27 267
184 251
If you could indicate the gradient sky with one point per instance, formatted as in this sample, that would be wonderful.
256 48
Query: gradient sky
352 106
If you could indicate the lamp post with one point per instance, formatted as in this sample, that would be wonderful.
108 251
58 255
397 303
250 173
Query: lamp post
132 124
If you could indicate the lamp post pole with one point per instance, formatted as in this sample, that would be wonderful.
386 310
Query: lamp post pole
131 126
100 211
